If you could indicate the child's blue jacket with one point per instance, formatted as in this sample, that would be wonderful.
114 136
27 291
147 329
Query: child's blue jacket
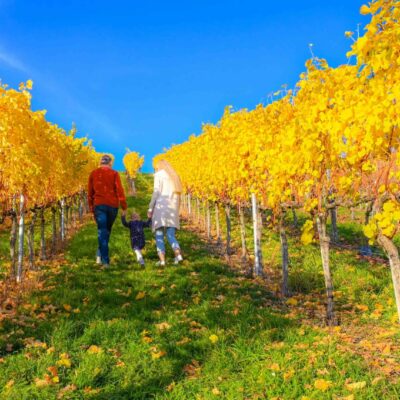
137 232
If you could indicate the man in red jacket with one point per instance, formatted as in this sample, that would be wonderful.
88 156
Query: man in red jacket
105 196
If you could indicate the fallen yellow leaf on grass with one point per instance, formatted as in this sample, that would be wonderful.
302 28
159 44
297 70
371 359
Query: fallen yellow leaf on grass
376 380
65 390
275 367
288 374
147 339
64 361
292 302
41 383
163 326
356 385
90 390
158 354
140 296
10 384
213 339
322 384
94 349
183 341
215 391
53 370
67 307
171 387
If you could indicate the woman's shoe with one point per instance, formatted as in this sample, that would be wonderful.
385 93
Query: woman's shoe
98 260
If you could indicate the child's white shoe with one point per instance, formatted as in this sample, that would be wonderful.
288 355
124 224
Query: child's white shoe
178 259
160 264
141 262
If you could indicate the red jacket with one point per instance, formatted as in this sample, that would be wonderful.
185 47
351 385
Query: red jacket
105 188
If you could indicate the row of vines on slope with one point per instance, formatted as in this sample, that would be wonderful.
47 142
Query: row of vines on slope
332 141
43 171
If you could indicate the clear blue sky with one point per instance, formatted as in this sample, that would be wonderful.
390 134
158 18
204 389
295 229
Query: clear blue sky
146 74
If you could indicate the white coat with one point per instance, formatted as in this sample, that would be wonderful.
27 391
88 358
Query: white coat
164 203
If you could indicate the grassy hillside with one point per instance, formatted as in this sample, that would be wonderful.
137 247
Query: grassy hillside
197 331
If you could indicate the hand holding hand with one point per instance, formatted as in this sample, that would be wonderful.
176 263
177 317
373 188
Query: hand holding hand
123 213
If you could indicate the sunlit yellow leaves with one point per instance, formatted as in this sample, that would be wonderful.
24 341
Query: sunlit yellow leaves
132 163
364 10
322 384
39 153
307 232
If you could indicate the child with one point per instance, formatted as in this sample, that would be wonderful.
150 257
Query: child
136 227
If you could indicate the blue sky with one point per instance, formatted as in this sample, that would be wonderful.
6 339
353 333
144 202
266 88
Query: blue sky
145 75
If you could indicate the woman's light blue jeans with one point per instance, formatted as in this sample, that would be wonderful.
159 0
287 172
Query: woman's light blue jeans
170 233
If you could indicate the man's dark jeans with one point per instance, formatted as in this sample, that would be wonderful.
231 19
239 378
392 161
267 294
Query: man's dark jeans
105 217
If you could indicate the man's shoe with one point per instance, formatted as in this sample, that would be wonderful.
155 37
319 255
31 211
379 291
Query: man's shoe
98 260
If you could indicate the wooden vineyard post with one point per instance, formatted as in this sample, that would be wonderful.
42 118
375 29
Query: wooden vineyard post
217 224
62 219
198 212
394 262
334 228
285 256
258 268
80 209
21 232
208 220
295 219
228 229
31 240
189 201
324 245
242 233
13 238
42 235
54 230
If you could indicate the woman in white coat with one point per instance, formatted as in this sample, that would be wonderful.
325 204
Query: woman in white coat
164 209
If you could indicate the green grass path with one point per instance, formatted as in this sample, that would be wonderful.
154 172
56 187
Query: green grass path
199 332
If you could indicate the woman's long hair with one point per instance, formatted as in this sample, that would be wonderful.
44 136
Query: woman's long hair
167 167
